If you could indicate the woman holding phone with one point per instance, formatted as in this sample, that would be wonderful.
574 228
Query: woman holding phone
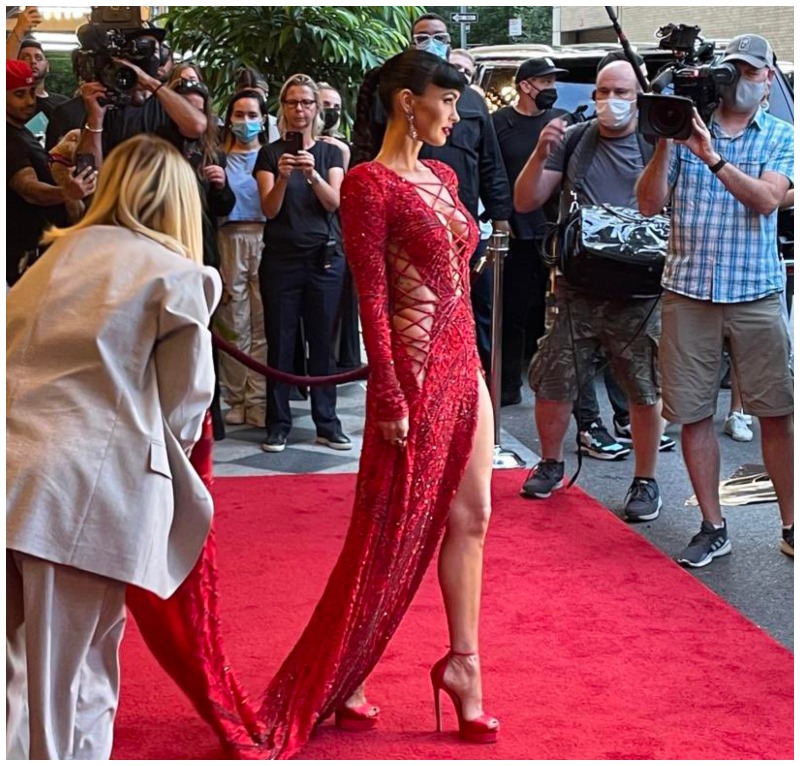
302 267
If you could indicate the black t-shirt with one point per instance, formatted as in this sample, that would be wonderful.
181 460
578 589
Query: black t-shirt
118 124
518 135
26 222
65 117
129 121
48 105
302 223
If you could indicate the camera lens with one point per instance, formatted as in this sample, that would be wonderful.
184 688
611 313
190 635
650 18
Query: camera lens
667 118
119 77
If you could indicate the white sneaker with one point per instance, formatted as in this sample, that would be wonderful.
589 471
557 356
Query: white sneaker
736 427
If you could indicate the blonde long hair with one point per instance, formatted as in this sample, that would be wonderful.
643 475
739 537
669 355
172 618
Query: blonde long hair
145 185
302 81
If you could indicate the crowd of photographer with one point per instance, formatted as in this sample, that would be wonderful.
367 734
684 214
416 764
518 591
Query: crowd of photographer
721 166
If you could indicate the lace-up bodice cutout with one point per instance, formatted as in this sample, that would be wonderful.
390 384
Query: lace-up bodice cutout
415 302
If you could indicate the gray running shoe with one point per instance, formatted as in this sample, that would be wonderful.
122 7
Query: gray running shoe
544 477
705 546
643 501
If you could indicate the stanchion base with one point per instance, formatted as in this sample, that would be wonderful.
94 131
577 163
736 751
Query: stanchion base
504 458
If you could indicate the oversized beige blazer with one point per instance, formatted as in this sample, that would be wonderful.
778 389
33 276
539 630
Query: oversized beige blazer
108 376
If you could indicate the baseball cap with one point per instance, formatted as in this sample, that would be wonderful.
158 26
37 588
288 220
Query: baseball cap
619 55
18 75
150 30
537 68
752 49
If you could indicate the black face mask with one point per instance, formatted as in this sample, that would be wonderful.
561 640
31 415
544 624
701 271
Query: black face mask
546 98
330 118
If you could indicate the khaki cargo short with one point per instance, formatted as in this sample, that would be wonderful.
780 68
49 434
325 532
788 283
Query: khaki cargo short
691 356
627 332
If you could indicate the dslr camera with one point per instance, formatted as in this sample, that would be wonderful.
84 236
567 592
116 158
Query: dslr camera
695 82
115 32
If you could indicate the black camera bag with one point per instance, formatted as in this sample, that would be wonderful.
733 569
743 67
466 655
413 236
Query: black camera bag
614 252
608 251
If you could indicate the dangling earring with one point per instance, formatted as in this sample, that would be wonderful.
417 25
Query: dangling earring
412 128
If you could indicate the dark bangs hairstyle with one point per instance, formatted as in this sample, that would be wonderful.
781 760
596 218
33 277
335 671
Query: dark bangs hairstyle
412 69
416 70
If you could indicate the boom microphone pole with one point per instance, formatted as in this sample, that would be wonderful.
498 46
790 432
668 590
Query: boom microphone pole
626 47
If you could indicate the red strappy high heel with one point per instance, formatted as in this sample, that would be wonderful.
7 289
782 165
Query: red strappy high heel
359 718
482 730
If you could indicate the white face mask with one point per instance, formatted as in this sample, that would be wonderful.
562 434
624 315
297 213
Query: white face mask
615 113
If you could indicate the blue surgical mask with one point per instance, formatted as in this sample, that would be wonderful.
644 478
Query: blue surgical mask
437 48
247 130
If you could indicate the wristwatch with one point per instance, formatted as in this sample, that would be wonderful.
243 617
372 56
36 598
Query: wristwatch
314 180
721 164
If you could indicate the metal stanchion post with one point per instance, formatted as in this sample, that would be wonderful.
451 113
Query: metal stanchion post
497 251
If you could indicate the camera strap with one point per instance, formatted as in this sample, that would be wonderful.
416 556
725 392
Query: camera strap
582 144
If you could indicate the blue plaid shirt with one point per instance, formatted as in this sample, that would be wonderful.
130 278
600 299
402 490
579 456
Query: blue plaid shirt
720 250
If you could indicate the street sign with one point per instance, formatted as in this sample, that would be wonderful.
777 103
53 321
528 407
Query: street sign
515 27
464 18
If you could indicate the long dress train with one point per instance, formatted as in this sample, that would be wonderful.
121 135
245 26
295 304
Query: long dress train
183 634
408 246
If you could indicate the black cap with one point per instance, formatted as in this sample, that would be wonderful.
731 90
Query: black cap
619 55
147 31
30 42
537 68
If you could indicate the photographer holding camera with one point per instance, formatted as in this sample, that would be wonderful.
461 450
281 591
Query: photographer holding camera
122 92
724 280
599 161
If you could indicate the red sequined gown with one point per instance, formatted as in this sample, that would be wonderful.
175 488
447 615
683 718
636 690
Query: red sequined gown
183 633
408 247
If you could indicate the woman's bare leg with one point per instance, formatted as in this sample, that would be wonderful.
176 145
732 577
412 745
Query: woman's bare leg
461 561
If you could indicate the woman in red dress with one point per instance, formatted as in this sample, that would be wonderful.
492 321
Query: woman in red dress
426 462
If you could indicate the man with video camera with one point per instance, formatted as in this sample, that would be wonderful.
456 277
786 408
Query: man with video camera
599 161
126 96
723 280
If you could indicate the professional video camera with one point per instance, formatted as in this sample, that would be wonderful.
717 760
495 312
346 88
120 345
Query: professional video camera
115 32
695 81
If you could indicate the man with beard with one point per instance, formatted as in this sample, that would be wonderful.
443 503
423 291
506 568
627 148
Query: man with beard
33 200
20 45
723 281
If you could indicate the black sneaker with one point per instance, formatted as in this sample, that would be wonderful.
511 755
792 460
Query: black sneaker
336 441
622 433
274 443
706 545
643 501
544 477
787 541
598 443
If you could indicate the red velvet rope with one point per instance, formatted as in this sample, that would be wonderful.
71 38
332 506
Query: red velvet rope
286 377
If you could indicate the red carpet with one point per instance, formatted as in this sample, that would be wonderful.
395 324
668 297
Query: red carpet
595 645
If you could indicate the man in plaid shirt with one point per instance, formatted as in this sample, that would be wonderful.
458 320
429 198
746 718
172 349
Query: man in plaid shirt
724 280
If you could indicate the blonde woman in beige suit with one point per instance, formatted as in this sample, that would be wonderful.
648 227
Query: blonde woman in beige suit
109 375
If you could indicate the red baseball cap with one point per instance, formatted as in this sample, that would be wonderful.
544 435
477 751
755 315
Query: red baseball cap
18 75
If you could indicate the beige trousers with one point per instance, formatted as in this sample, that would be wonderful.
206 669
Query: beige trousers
63 631
240 246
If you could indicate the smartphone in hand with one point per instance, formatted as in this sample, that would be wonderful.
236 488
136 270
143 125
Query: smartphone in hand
294 142
82 162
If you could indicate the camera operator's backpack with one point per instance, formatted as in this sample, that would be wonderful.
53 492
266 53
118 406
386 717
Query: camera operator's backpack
610 252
